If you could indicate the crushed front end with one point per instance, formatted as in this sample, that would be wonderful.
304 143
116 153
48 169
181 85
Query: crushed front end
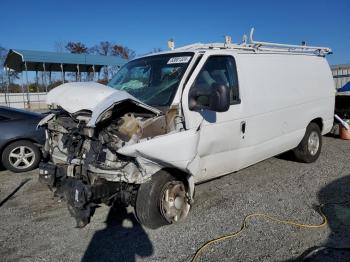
81 160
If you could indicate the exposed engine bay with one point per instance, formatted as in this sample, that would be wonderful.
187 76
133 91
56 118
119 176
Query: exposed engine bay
125 142
82 162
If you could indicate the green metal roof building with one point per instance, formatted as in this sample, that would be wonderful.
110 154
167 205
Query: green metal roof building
28 60
23 61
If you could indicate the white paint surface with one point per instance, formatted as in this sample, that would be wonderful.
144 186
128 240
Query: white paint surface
77 96
172 150
98 98
280 95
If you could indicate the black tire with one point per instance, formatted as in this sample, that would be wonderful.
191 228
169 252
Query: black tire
148 200
302 152
22 167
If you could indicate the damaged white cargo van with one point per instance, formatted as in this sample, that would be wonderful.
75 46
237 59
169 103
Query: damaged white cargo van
170 120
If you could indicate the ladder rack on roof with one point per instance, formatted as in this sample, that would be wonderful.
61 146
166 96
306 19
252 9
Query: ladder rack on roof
261 46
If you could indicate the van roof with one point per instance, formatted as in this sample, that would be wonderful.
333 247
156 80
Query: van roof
202 48
254 47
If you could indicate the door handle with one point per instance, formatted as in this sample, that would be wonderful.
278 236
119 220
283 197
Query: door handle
243 127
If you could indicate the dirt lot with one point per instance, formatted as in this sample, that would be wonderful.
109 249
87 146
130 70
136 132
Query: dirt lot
37 227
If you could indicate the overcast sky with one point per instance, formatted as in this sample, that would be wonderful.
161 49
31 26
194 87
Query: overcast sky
144 25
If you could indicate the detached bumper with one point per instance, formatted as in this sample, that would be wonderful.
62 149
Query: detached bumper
80 195
77 194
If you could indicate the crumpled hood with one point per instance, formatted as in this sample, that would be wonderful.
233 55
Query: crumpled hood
77 96
97 98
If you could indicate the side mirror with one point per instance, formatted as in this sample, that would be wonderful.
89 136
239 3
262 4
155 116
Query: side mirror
217 98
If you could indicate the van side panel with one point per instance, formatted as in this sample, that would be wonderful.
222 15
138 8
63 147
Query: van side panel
284 93
280 95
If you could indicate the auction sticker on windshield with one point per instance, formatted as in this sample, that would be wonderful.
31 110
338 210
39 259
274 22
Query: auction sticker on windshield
179 60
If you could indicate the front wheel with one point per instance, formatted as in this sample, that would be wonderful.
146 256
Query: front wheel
161 201
309 148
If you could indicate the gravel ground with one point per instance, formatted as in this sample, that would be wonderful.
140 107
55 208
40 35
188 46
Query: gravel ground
35 226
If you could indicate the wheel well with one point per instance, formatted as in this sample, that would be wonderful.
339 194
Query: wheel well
181 175
15 140
319 122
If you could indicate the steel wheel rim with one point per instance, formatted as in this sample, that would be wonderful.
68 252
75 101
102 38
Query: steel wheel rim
174 204
21 157
313 143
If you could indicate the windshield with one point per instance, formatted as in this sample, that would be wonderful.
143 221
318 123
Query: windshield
153 80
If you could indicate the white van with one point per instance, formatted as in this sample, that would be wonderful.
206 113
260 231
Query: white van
170 120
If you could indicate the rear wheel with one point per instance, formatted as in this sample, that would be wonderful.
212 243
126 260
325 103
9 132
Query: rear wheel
161 201
309 148
21 156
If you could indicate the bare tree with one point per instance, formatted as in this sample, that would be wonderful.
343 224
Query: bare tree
77 48
123 52
108 48
103 48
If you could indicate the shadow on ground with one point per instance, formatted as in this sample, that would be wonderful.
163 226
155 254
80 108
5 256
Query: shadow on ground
336 197
24 181
287 156
122 240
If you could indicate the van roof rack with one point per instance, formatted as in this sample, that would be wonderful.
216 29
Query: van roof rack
257 46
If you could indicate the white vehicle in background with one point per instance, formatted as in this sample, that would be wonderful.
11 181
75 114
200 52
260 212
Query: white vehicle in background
170 120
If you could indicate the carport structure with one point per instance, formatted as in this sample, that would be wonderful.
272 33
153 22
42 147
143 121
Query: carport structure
28 60
22 61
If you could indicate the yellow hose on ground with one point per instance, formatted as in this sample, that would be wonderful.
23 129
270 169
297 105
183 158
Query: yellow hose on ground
268 217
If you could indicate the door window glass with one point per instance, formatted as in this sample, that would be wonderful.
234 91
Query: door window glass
219 70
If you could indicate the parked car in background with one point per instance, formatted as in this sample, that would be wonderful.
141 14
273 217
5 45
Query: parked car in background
20 140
